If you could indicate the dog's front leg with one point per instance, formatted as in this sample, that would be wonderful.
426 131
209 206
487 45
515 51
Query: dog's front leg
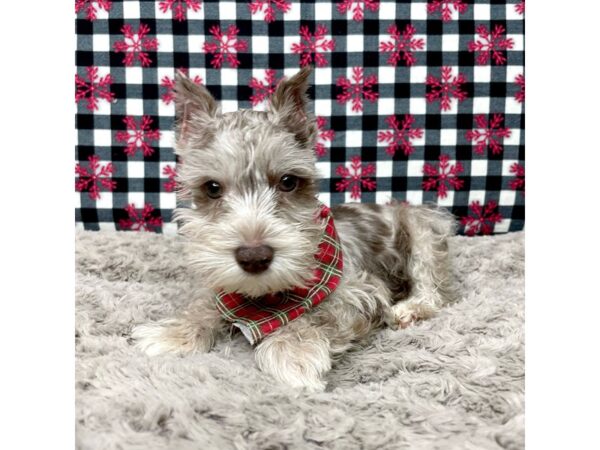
297 354
193 331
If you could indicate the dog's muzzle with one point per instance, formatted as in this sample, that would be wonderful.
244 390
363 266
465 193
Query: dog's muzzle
254 259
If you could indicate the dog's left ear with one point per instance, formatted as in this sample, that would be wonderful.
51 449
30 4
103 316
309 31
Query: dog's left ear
289 105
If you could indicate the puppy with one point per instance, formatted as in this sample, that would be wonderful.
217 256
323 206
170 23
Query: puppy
257 235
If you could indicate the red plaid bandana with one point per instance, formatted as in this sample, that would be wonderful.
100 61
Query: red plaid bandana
257 317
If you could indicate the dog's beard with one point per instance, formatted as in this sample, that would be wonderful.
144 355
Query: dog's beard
212 244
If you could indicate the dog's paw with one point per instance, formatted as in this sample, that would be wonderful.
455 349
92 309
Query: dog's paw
404 318
299 364
171 336
404 314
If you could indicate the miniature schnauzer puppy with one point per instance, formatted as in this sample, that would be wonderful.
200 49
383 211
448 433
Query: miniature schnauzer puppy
253 181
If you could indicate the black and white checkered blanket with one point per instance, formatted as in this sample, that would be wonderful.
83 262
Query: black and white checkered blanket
420 101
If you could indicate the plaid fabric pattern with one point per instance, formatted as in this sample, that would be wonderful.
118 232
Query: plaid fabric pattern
258 317
418 101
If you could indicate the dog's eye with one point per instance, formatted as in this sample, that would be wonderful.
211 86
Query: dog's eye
288 183
213 189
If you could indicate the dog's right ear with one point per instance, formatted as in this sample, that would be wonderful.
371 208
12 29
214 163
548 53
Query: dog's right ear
289 104
194 108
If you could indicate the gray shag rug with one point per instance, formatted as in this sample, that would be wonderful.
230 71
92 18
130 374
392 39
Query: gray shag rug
453 382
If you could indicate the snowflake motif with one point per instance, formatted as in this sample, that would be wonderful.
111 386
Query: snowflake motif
355 178
137 137
357 88
520 7
171 173
446 88
402 45
482 219
323 137
180 7
90 9
92 88
442 176
445 7
226 46
520 80
263 90
169 84
269 12
491 43
135 45
143 220
313 45
488 135
94 177
357 7
518 182
400 135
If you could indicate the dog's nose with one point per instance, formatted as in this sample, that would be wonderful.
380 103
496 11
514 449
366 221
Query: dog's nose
254 259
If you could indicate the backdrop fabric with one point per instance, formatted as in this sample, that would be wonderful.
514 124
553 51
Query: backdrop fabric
417 101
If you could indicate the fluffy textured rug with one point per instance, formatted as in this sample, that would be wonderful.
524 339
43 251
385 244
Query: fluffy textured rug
453 382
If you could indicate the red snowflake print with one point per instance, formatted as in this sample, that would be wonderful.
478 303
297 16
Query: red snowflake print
482 219
226 46
520 80
491 44
94 177
323 137
445 88
402 45
263 89
520 7
136 45
270 7
90 8
93 88
355 178
180 7
357 8
357 88
488 134
443 175
137 136
518 182
169 84
400 135
171 173
445 7
141 220
313 46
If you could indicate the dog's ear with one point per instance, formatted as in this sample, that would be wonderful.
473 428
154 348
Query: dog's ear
289 106
194 108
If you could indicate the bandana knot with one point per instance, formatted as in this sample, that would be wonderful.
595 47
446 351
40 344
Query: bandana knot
257 317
